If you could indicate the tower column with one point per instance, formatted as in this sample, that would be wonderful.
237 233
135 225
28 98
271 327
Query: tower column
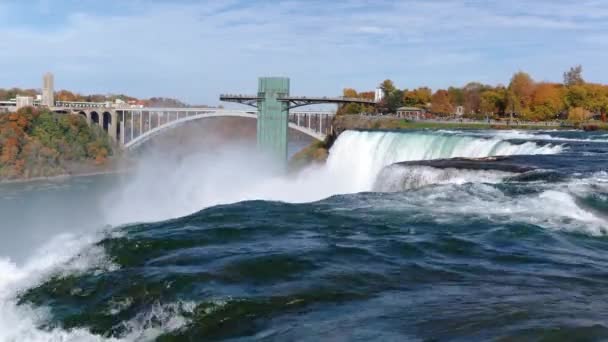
273 117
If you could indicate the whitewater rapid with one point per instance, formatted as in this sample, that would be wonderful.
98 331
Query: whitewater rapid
161 189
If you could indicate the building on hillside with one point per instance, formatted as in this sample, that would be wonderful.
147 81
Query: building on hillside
136 104
414 113
24 101
8 106
48 90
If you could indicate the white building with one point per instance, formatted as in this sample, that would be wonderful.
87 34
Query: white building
412 113
24 101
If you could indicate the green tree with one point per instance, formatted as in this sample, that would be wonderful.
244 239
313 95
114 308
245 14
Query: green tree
577 96
456 96
388 86
394 100
493 102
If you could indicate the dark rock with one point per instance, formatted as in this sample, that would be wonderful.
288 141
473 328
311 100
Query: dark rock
490 163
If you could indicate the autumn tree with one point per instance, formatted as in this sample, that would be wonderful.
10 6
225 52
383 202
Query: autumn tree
547 102
578 114
370 95
65 95
440 103
493 101
419 97
472 97
576 96
36 142
521 89
597 98
349 92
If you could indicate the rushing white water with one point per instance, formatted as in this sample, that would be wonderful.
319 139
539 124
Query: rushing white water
529 135
401 178
68 255
166 187
360 156
163 187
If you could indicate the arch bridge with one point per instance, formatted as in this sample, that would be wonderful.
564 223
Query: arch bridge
131 127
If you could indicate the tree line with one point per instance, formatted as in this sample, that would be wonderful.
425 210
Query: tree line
37 143
523 98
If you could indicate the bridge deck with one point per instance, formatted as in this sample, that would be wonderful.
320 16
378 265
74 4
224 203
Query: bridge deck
316 99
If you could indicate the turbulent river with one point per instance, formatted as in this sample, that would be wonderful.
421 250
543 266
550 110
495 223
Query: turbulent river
396 237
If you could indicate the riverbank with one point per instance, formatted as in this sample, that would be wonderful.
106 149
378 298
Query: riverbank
346 122
111 166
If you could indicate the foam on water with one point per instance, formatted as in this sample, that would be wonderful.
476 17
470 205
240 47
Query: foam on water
69 255
399 178
552 207
20 323
161 190
530 135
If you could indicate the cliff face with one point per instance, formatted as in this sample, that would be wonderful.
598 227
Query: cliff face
36 143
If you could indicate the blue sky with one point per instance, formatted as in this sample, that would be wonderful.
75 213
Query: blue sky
195 50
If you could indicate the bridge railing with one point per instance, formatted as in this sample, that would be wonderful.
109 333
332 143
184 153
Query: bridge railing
318 122
134 123
75 104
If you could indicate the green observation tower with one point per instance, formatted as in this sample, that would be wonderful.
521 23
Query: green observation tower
273 116
273 103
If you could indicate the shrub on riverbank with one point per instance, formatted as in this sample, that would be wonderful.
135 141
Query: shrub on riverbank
316 152
38 143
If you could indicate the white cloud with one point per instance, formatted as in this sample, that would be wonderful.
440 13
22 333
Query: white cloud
197 50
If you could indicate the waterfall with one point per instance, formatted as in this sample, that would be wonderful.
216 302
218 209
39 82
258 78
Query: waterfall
360 156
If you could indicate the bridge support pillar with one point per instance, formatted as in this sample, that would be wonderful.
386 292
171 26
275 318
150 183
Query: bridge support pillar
273 117
122 135
113 128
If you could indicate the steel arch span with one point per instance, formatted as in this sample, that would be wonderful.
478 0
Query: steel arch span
142 138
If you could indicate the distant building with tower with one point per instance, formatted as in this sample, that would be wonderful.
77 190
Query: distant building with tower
48 90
